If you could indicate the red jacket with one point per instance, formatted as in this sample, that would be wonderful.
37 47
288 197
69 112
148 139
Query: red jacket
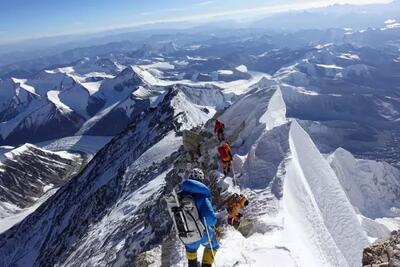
225 153
219 126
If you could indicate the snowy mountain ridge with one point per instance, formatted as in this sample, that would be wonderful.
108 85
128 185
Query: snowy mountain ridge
28 176
113 210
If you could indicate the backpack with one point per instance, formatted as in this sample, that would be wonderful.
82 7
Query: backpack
185 216
231 200
224 153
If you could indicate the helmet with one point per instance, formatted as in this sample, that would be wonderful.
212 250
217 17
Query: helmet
197 174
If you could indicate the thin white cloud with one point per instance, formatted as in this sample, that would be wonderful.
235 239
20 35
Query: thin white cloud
242 13
260 10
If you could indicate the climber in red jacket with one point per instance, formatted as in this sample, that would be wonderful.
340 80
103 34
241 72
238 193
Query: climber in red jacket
219 130
225 155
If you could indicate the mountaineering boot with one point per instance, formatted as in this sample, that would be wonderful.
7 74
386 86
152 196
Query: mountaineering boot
192 259
193 263
208 257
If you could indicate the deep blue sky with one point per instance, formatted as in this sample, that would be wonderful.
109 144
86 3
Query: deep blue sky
24 19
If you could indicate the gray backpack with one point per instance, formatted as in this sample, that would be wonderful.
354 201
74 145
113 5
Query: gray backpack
183 211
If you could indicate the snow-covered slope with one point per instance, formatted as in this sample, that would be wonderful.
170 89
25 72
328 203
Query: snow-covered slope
26 170
371 186
76 98
92 96
15 97
300 214
113 208
86 144
28 176
51 99
322 224
48 121
313 219
126 113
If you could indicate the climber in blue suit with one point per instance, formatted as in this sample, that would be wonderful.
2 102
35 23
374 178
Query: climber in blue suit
202 197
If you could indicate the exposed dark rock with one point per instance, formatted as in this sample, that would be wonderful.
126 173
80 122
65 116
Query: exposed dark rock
24 176
383 252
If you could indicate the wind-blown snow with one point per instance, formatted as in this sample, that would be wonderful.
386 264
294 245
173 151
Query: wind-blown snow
321 222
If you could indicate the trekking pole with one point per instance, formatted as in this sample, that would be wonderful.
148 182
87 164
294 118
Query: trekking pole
210 241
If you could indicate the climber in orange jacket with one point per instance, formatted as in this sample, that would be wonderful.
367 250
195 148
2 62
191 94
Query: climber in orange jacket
234 204
225 155
219 130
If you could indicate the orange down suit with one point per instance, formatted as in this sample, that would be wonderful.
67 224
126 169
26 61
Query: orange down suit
234 204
